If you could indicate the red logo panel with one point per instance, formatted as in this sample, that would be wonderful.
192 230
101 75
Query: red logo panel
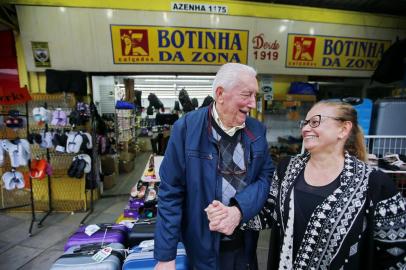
303 49
134 42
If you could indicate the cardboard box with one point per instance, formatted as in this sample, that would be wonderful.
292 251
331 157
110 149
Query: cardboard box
109 181
126 166
145 144
126 156
109 164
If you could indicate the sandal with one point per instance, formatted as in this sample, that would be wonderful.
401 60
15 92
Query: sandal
141 192
152 193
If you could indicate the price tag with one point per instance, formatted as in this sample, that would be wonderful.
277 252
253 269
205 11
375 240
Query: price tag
91 229
146 245
102 254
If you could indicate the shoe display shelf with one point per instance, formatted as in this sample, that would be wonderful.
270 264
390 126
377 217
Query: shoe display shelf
61 193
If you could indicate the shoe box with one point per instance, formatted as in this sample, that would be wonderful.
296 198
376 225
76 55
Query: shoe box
126 166
109 181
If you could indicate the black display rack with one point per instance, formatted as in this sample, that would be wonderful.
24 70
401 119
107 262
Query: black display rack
31 204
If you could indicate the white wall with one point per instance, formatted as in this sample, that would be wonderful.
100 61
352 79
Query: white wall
80 38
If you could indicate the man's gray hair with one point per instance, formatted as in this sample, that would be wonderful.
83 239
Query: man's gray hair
229 75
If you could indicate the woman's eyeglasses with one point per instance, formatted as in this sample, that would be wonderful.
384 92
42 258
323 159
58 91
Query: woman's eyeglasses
315 120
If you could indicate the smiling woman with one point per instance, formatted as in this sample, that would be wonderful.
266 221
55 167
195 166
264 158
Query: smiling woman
331 182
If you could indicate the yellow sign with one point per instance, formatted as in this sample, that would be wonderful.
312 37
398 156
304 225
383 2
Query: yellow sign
178 45
329 52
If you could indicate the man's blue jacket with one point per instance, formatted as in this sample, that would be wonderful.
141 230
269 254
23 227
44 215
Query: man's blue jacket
190 182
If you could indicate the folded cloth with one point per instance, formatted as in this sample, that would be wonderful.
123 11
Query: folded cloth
13 180
59 118
18 150
46 138
41 115
74 142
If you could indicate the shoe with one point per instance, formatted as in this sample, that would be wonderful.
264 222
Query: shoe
72 168
152 193
80 169
394 160
387 166
136 189
372 160
141 192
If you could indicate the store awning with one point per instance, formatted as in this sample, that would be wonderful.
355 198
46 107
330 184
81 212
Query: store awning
10 91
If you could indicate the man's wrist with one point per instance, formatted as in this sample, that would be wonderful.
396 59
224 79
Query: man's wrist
237 213
234 203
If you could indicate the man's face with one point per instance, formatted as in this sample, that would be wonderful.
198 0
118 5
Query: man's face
238 101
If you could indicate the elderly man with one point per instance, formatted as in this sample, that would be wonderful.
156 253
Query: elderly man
216 163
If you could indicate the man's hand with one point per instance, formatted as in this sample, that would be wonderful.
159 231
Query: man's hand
222 218
165 265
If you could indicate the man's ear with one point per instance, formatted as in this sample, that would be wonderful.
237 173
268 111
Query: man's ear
219 94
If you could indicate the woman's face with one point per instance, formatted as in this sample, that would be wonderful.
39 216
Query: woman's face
323 131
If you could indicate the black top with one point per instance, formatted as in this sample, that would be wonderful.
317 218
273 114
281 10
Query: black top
307 198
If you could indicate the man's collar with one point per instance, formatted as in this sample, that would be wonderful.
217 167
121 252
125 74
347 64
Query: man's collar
216 117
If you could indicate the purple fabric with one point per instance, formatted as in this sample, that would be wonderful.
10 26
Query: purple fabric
48 169
135 203
131 213
112 236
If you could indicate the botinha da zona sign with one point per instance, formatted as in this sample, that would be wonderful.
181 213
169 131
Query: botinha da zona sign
178 45
330 52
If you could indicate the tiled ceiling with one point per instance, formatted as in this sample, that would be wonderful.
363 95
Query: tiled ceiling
393 7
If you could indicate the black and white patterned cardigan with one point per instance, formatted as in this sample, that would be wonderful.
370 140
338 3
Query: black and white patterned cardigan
361 225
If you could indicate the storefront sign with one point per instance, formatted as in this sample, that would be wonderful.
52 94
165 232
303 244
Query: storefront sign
40 53
327 52
199 8
264 49
177 45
